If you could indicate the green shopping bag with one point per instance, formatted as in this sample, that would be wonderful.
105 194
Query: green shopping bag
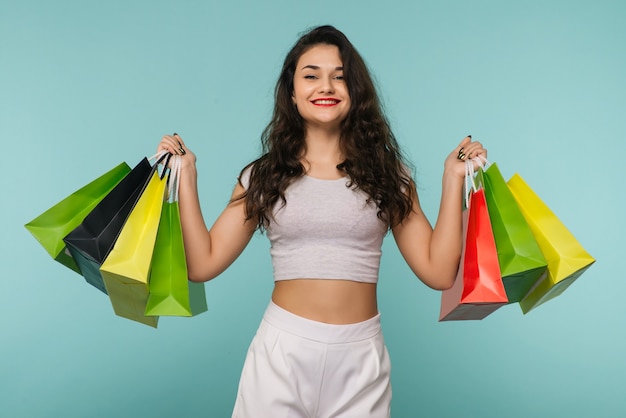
171 292
521 260
53 225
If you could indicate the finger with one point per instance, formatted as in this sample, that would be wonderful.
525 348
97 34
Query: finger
473 149
167 144
181 144
479 151
172 144
462 149
465 141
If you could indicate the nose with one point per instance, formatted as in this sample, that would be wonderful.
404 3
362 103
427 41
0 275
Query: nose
326 85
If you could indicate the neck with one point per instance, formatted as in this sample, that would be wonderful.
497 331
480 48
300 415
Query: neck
322 153
321 132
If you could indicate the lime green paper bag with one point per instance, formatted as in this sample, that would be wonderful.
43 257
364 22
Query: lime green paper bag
521 261
566 257
171 292
53 225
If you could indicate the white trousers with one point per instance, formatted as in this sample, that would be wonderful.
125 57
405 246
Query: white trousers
297 368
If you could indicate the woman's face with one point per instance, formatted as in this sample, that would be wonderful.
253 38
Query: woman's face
319 90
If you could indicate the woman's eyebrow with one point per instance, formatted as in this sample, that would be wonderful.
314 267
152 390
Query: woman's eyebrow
316 67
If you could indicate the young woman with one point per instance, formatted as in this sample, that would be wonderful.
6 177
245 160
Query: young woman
329 185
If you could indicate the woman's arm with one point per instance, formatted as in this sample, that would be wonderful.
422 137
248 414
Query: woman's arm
433 254
208 252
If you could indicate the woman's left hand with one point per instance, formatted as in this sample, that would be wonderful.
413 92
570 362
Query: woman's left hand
466 150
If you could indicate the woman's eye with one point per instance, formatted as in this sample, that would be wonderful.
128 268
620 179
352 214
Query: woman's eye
339 77
309 77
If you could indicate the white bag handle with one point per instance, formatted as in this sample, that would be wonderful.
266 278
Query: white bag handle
158 157
470 173
470 185
173 180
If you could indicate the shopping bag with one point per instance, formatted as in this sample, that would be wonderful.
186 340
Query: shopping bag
54 224
171 292
125 271
521 261
91 241
566 257
478 289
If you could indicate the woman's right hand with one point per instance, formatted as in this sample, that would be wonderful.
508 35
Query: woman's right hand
470 149
175 145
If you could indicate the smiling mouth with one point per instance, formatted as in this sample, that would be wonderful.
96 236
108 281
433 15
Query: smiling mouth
325 102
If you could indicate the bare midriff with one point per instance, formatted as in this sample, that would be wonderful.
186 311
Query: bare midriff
328 301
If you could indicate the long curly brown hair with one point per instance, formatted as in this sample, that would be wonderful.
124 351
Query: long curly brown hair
373 162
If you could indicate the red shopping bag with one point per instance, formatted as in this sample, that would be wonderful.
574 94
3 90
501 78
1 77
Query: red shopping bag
478 289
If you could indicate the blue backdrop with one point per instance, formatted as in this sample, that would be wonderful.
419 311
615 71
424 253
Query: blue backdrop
85 85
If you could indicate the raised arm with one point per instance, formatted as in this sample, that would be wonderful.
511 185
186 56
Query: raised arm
433 254
208 252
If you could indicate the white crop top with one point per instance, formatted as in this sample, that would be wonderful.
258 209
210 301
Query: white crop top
325 231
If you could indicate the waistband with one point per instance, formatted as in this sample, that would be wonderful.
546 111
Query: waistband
320 331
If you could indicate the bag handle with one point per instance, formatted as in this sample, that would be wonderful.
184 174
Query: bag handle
172 168
159 157
482 162
470 184
470 174
173 179
178 165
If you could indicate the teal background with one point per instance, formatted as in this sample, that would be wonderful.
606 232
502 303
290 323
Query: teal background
85 85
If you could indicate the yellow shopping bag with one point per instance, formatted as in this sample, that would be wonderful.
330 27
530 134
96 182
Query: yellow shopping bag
127 267
566 257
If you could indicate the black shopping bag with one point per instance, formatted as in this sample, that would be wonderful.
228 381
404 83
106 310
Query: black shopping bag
91 242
